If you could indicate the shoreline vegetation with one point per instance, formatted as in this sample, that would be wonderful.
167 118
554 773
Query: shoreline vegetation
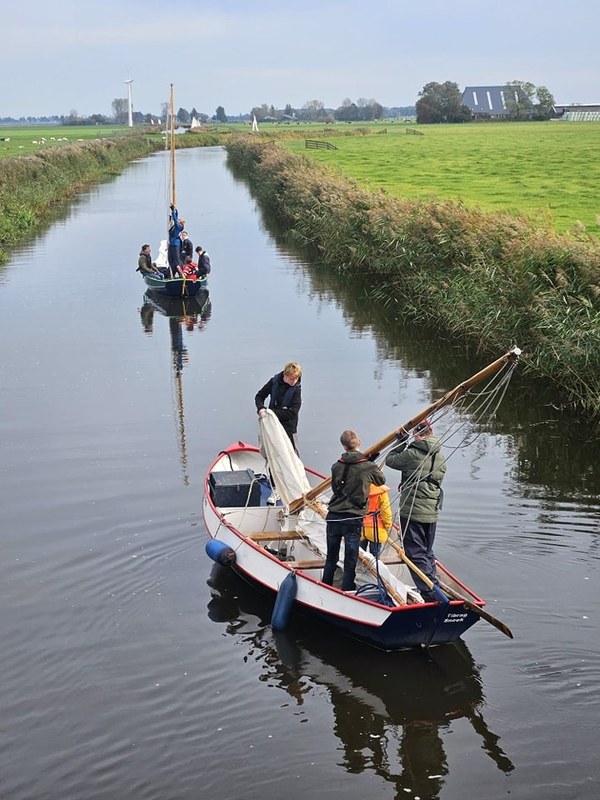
488 279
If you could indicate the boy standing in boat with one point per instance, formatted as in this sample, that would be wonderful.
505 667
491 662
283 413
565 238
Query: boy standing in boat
351 479
423 468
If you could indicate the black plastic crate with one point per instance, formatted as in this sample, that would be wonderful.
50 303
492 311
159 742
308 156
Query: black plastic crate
235 489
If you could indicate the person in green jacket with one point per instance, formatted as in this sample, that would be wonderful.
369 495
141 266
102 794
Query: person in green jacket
423 468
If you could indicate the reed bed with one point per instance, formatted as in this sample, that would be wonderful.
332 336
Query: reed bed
488 279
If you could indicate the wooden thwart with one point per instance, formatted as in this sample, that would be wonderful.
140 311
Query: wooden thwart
274 536
318 563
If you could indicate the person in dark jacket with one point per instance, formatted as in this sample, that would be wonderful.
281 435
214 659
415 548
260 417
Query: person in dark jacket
203 262
423 468
145 264
187 246
351 479
285 393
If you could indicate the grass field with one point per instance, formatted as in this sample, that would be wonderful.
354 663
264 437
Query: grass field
24 140
549 171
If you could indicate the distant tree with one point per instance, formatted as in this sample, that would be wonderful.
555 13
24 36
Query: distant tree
441 102
220 114
524 100
313 110
120 107
165 109
183 116
519 98
72 118
260 112
98 119
288 110
193 113
347 112
545 103
363 110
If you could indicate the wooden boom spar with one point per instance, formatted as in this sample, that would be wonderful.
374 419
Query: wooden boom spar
511 356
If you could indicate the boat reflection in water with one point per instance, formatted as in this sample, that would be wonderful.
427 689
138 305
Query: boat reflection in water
189 313
390 711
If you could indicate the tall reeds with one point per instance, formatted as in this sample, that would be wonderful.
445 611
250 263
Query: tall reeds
488 279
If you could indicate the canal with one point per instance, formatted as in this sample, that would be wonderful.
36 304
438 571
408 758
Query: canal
133 667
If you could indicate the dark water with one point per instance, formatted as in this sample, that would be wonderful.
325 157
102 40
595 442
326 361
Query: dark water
134 668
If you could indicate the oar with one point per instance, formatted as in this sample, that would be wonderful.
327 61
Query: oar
448 398
452 593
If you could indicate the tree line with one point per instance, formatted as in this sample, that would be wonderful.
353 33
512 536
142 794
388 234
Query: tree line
437 103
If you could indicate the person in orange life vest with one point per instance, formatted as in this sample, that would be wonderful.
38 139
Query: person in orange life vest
188 270
377 520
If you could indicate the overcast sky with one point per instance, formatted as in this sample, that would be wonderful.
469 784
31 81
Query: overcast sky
60 55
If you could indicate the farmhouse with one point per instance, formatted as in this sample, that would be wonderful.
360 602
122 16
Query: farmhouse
489 102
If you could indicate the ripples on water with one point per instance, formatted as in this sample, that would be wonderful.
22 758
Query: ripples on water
132 668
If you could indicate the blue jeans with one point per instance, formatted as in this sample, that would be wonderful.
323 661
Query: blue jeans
373 547
342 526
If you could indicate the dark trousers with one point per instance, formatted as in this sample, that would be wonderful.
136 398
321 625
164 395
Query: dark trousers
342 526
174 258
418 546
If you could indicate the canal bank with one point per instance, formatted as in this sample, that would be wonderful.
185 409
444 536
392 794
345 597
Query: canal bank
488 280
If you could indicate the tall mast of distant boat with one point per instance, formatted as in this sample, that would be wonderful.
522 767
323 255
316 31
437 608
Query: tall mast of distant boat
172 111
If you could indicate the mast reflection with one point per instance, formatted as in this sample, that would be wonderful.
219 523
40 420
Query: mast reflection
390 711
182 312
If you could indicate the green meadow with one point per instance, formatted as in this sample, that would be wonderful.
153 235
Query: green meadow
25 140
548 171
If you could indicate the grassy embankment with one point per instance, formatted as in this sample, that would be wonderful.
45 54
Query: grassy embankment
39 168
488 279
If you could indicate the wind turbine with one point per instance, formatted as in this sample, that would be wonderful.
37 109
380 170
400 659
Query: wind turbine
130 105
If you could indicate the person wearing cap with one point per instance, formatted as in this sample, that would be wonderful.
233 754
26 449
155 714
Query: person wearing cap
176 226
423 467
351 478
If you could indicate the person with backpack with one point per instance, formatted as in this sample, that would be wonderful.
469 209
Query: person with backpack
351 478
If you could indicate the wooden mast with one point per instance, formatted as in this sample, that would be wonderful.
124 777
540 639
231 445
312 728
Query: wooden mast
172 111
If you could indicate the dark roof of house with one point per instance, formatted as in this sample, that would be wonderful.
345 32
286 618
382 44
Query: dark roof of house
490 100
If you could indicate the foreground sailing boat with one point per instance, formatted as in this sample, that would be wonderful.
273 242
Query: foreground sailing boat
177 286
282 548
